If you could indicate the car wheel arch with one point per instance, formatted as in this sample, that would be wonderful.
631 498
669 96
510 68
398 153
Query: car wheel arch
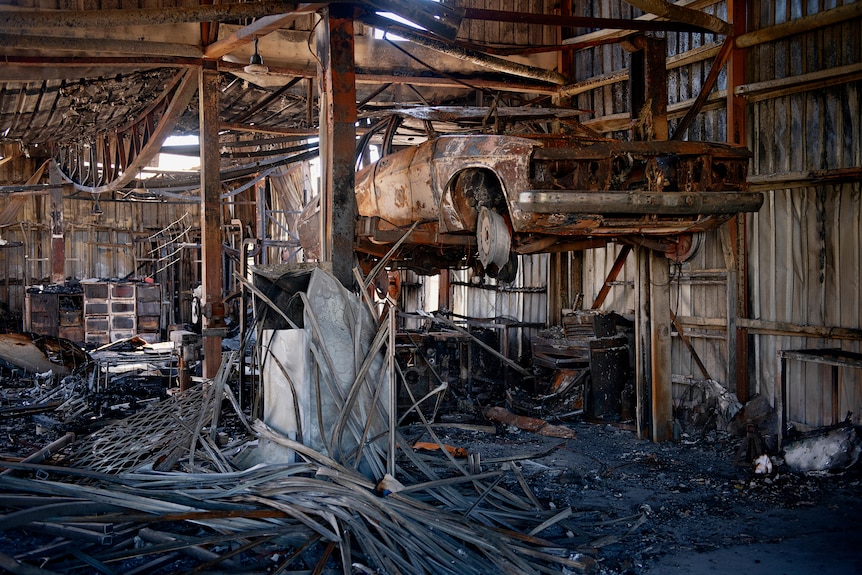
466 192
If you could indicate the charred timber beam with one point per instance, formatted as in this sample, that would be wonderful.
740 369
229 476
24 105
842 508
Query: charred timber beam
436 17
658 203
99 45
707 87
671 11
800 25
609 35
579 21
758 91
472 56
786 180
260 27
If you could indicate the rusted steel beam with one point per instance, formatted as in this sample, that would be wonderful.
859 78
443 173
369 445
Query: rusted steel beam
211 221
706 88
660 203
335 50
579 21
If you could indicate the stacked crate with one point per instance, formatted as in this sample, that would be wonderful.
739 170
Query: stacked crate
149 310
97 310
115 311
124 315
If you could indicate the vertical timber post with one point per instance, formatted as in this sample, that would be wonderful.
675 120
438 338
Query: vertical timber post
737 339
211 216
659 302
337 76
648 92
643 343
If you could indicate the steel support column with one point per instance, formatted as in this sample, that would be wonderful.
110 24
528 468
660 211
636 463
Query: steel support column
211 216
337 76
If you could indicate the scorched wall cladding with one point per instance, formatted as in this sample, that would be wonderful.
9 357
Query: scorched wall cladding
806 242
698 288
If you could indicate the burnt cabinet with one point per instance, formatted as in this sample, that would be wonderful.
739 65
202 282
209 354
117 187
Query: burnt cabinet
55 314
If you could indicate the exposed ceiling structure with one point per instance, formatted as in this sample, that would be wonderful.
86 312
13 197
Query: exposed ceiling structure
105 87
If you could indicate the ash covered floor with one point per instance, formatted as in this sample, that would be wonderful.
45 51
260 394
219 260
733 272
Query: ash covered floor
646 508
614 504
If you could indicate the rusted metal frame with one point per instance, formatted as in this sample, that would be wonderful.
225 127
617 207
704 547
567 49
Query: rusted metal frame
151 137
619 263
372 95
335 46
306 132
659 203
580 21
211 219
706 88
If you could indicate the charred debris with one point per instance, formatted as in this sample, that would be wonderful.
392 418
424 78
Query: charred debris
332 442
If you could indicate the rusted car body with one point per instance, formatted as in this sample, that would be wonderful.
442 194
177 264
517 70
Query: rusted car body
544 194
479 199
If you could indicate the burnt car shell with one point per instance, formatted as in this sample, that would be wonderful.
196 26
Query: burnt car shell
417 184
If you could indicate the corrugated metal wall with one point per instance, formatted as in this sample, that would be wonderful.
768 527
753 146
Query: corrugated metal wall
524 301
